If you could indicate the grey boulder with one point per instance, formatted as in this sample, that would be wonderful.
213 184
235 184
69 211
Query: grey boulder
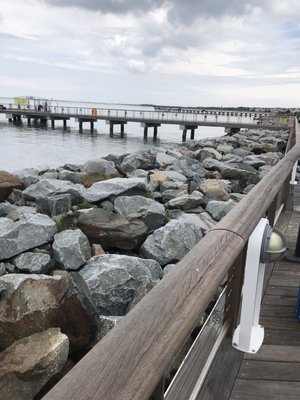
172 242
118 282
149 211
35 263
51 187
111 188
31 231
186 202
71 249
218 209
112 230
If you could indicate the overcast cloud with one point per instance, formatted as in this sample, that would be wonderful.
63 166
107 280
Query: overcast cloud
196 52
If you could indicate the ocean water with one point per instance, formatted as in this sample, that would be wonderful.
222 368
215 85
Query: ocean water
23 146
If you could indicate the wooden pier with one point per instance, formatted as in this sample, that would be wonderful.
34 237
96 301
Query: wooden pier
187 121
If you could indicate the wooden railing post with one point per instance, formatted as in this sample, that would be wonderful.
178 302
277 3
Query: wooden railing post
233 291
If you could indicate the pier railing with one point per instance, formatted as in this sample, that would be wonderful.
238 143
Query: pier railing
131 361
194 117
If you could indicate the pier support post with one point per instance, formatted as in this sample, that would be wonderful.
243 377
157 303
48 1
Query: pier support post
92 126
155 132
186 128
111 128
65 124
145 132
52 123
122 130
147 125
10 120
29 121
192 133
80 126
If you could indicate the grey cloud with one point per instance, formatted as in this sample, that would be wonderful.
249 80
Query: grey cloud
110 6
180 11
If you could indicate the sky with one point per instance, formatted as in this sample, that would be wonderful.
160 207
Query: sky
169 52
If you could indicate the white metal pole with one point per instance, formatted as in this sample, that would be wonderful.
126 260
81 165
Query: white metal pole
249 335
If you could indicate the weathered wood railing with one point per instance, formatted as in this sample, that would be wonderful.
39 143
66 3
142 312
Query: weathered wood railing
130 362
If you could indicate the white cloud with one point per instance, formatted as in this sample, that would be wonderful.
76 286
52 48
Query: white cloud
123 50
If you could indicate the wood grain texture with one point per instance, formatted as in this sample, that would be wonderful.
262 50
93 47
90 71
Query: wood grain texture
278 338
275 371
280 323
280 353
265 390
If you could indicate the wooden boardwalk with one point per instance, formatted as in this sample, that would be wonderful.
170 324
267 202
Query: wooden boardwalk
273 372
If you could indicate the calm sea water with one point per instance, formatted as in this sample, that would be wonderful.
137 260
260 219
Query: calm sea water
25 146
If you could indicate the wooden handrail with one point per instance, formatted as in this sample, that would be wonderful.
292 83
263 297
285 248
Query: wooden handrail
129 362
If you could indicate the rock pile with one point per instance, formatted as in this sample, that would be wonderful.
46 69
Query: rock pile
80 245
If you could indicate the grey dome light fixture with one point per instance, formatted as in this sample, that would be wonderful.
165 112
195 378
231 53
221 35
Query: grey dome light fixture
273 245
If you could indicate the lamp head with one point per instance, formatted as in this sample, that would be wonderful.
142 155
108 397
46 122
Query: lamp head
273 245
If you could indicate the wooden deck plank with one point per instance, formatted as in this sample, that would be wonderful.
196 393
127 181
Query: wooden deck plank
279 338
287 291
279 300
281 353
285 280
288 266
265 390
273 310
280 323
269 370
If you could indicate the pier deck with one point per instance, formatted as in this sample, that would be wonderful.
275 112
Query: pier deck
273 372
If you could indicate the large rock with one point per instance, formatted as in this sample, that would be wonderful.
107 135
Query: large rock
186 201
206 152
175 176
218 209
34 263
30 362
118 282
188 167
111 188
173 241
6 208
164 159
55 205
51 187
71 249
149 211
112 230
214 190
32 231
98 170
28 176
8 182
139 160
241 171
31 303
171 194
